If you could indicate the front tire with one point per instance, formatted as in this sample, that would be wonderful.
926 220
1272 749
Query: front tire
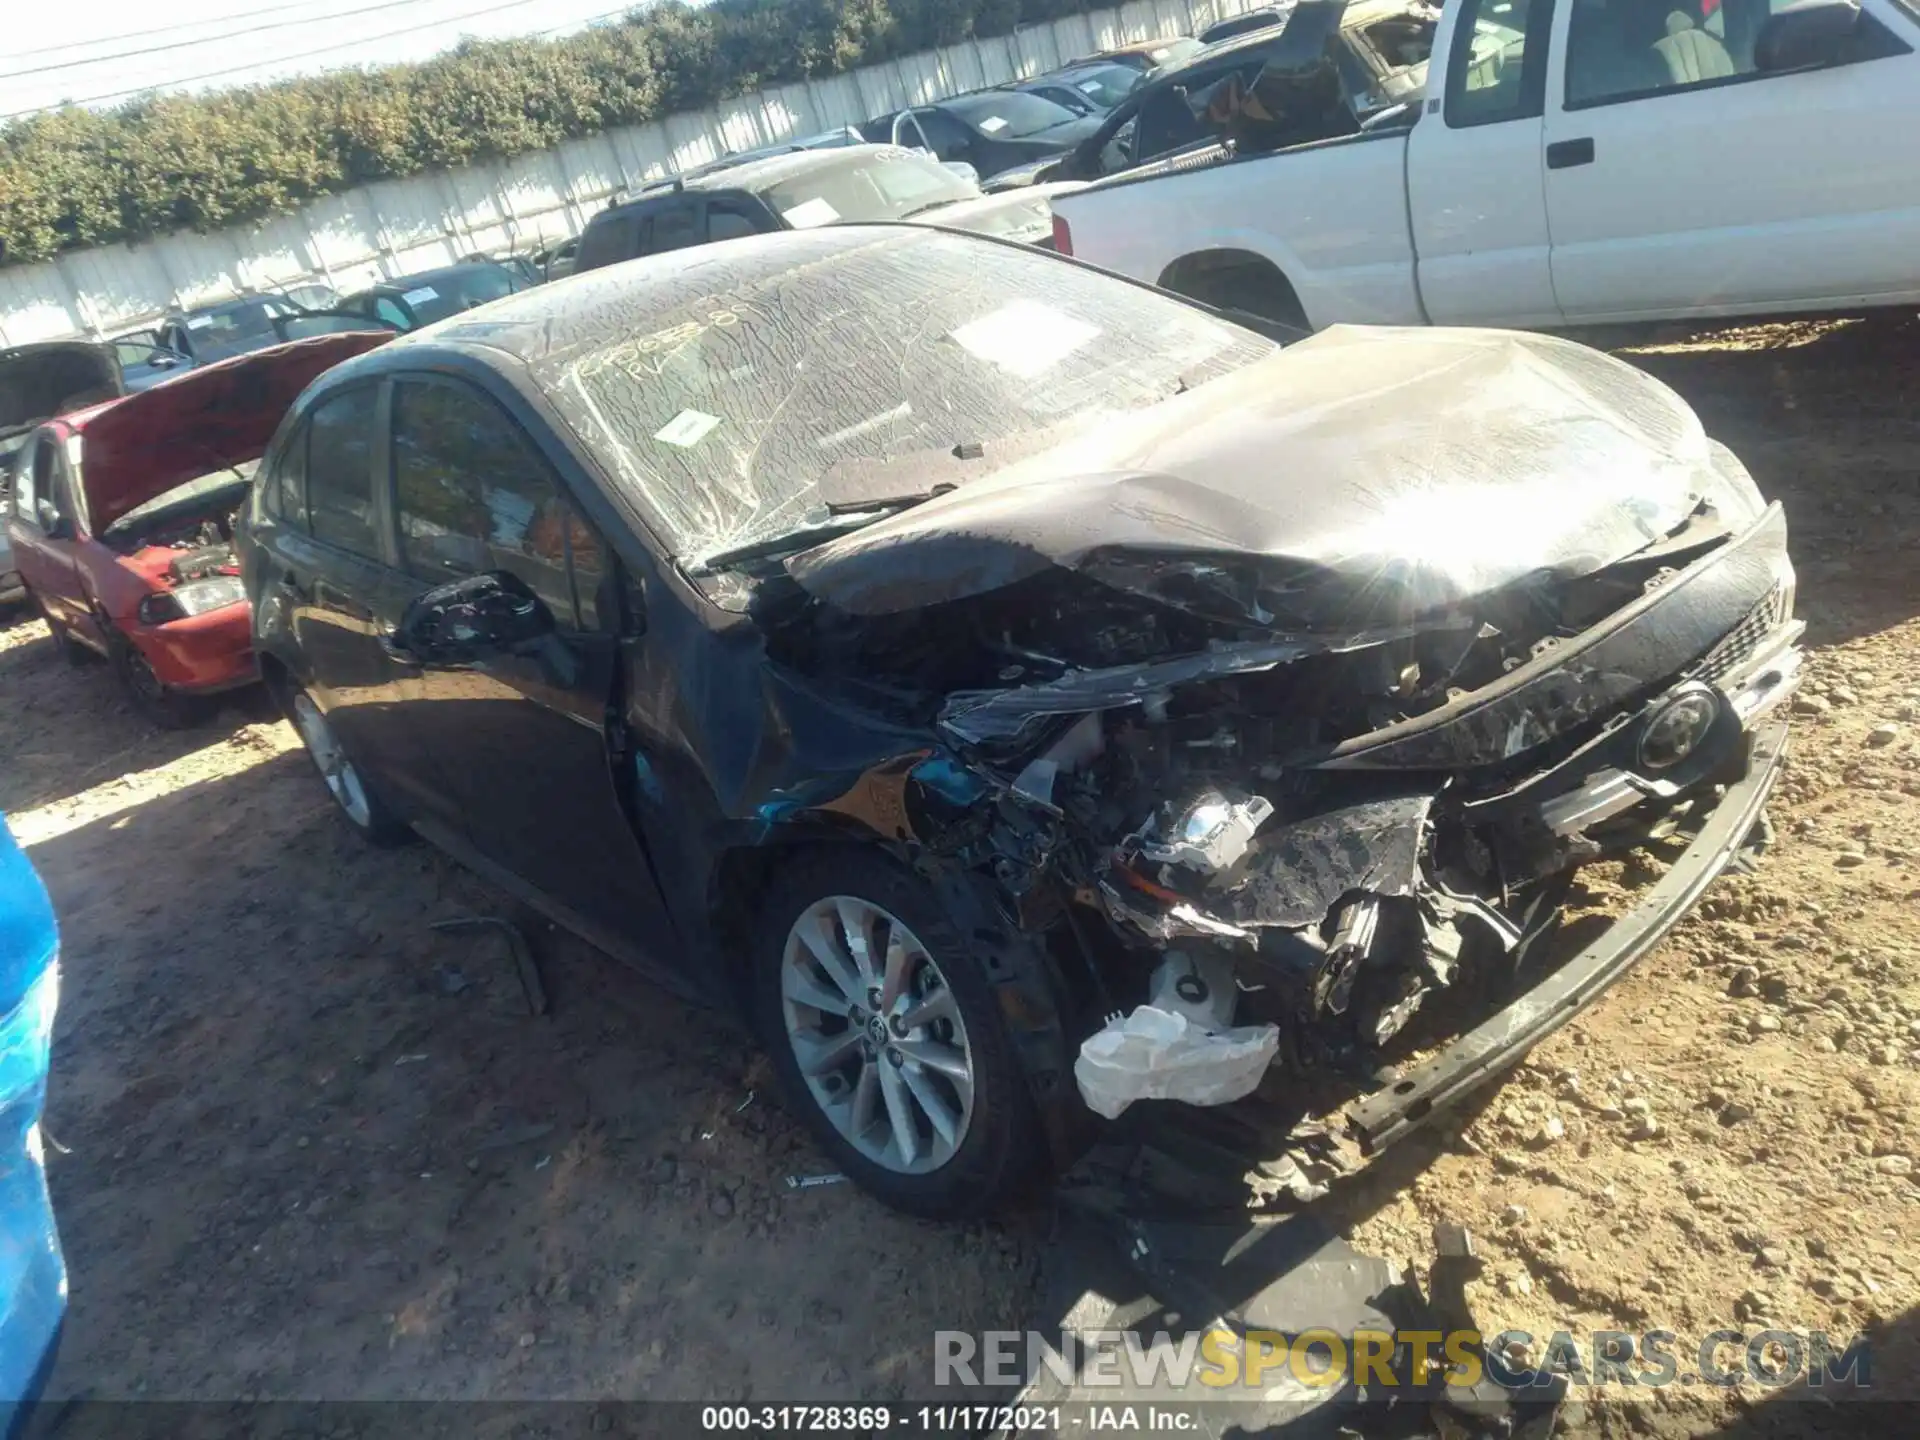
168 709
886 1037
356 801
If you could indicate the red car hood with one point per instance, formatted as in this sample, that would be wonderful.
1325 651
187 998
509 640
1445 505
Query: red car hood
140 447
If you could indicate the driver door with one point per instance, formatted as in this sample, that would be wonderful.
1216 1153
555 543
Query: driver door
521 734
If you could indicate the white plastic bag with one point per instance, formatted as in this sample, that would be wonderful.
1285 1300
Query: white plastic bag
1152 1054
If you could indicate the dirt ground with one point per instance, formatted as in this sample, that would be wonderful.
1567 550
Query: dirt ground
310 1148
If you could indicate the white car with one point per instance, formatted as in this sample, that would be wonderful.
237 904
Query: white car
1592 161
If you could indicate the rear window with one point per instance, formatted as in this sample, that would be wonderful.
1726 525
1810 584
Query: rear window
609 239
435 297
236 326
888 188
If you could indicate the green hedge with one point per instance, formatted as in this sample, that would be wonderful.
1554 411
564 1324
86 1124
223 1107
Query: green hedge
74 178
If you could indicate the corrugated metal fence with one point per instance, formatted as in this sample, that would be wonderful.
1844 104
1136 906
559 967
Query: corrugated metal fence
401 226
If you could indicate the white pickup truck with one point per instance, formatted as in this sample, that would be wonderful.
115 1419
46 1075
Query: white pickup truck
1569 162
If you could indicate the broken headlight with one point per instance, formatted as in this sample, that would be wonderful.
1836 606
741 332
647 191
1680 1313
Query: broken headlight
196 597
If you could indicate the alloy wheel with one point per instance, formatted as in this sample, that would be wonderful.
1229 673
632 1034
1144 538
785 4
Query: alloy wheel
343 781
878 1034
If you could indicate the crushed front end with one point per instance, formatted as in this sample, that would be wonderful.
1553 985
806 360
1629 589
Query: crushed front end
1329 834
1284 723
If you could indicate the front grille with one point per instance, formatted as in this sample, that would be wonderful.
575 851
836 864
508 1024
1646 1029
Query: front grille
1744 639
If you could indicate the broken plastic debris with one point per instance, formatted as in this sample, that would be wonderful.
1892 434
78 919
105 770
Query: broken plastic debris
409 1060
808 1182
744 1103
1153 1054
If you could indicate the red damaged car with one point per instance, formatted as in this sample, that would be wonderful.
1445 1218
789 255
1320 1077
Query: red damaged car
121 522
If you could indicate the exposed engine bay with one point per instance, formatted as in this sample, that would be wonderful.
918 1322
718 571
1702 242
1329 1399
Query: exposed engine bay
183 541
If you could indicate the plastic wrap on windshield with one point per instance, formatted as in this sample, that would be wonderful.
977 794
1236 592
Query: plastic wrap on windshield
1408 469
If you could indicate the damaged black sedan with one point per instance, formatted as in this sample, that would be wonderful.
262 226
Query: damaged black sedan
1012 684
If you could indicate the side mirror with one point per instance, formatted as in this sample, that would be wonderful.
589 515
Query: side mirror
164 360
471 619
1805 36
51 520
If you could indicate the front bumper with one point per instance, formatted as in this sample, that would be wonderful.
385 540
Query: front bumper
201 654
1391 1113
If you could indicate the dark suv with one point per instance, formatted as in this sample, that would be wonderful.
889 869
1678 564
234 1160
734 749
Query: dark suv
800 190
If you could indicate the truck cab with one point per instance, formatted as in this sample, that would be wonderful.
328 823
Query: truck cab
1606 160
1566 162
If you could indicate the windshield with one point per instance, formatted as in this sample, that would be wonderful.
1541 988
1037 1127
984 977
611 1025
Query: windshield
887 360
1107 86
889 187
1009 114
442 293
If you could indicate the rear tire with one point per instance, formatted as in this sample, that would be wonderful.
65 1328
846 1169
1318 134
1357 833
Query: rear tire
353 798
931 1062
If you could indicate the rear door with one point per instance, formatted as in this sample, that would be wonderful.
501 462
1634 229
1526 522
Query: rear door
333 573
1683 180
1475 178
523 737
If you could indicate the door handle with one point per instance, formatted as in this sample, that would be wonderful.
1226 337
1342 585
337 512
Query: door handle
1565 154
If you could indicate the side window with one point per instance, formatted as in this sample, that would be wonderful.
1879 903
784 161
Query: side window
675 227
286 489
340 506
949 139
1498 68
393 312
730 219
26 484
1634 49
1166 123
472 493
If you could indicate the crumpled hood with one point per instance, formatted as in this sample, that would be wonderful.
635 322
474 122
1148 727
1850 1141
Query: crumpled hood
38 382
212 418
1405 469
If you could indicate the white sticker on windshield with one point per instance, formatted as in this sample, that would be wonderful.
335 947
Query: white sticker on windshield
810 214
686 429
993 124
421 296
200 322
1024 338
1089 87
